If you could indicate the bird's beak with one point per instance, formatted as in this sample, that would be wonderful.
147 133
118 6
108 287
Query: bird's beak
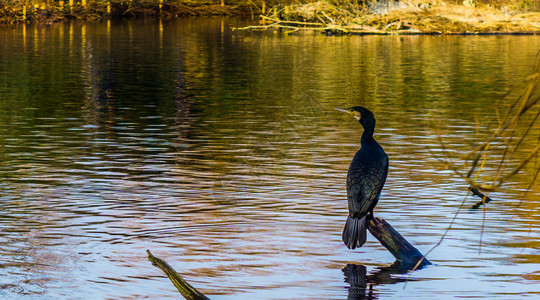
343 110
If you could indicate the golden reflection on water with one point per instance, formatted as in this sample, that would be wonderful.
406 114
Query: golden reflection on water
221 152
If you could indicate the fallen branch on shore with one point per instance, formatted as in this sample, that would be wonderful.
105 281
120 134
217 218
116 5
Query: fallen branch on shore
341 17
330 28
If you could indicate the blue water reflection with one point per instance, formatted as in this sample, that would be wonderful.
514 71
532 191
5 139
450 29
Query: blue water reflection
221 153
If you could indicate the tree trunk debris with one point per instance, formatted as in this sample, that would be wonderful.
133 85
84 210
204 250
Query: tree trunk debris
400 248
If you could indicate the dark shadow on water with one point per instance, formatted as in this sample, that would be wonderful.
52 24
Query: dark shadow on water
356 277
361 285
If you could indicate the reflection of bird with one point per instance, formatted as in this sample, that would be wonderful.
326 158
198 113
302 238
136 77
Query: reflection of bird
361 284
365 179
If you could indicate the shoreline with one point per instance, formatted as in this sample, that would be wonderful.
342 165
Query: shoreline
46 14
412 18
409 18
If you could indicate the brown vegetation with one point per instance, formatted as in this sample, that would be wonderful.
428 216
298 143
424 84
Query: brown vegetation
493 163
405 17
337 16
52 11
513 146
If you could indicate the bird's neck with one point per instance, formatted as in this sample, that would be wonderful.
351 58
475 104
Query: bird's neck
369 127
367 136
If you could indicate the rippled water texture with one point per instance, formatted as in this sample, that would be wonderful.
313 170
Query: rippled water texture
220 152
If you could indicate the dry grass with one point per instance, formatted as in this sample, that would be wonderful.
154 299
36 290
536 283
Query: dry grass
411 17
480 19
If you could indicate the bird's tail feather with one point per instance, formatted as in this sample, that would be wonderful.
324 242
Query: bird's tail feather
354 233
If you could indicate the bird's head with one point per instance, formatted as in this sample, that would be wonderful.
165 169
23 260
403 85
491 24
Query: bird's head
360 113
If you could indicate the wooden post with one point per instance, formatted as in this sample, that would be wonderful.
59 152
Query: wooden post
181 285
400 248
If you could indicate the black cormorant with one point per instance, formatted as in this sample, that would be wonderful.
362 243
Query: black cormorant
365 179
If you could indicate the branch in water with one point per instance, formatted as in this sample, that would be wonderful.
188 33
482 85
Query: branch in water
485 199
181 285
400 248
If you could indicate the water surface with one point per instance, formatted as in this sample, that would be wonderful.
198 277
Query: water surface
220 152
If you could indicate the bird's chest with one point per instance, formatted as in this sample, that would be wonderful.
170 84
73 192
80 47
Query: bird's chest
366 168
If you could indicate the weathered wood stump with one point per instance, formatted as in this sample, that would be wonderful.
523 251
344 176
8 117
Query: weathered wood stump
400 248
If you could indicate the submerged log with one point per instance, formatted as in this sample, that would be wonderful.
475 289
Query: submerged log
485 199
400 248
188 291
